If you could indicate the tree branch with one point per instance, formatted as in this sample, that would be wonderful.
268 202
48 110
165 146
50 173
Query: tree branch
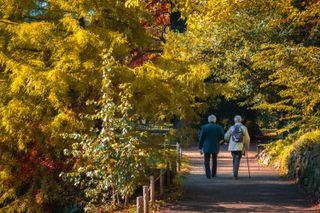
6 21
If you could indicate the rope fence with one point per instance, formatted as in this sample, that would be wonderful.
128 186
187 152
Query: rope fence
148 197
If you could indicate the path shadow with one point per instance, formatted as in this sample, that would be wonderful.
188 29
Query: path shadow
265 191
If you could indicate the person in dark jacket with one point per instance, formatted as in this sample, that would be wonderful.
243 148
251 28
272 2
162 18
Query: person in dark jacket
211 135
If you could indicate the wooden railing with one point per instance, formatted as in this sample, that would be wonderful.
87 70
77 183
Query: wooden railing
148 197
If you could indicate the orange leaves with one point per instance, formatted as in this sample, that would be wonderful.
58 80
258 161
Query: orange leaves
284 20
30 163
145 24
161 11
39 197
163 19
138 58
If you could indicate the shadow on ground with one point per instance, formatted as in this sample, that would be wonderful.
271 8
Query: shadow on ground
265 191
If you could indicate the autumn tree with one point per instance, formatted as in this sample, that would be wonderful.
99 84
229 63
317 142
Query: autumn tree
63 62
264 52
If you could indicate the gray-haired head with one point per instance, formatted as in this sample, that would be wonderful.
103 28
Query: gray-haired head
237 119
212 119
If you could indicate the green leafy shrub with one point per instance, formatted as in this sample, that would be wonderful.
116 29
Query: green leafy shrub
277 153
298 157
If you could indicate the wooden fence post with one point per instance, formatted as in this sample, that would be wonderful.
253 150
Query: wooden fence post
174 168
168 174
161 181
145 200
152 190
180 158
139 204
178 148
126 201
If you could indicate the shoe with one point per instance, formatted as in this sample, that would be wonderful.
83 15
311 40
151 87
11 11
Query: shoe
235 178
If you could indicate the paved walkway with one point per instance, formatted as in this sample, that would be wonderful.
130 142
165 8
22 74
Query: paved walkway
265 191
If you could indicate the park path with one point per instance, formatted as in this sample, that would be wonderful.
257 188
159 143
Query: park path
265 191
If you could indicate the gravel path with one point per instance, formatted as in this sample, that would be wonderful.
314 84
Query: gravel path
265 191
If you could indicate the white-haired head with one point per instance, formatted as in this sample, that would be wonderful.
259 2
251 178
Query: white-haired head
212 119
237 119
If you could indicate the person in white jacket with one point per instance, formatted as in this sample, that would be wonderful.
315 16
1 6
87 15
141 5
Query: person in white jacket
239 141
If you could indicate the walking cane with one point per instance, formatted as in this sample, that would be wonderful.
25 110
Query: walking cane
248 164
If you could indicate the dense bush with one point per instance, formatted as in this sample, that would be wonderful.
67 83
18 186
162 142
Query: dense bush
304 162
297 157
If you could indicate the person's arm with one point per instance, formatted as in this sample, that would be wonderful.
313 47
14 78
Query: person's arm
246 138
228 134
221 140
201 138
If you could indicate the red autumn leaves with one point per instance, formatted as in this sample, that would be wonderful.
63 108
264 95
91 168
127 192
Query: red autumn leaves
160 10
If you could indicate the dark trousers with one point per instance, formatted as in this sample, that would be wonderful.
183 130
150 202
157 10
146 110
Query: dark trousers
207 157
236 157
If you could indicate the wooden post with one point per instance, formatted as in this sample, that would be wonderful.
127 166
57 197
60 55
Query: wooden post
113 202
174 168
177 148
176 163
180 159
145 200
152 190
126 201
168 174
178 155
161 181
139 204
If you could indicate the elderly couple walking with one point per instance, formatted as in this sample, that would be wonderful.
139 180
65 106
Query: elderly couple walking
212 135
